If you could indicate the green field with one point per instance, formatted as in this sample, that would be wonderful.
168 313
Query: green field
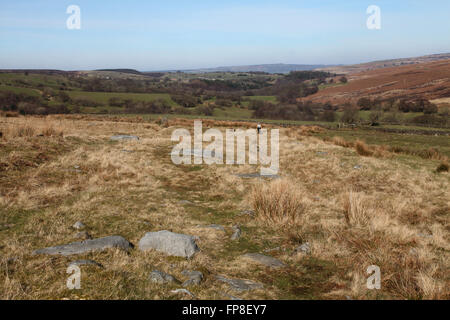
103 97
28 91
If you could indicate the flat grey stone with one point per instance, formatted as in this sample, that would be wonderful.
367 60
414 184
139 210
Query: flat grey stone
124 137
304 248
79 225
161 277
100 244
236 233
85 262
183 291
216 226
265 260
229 296
357 167
247 212
174 244
240 284
257 175
195 278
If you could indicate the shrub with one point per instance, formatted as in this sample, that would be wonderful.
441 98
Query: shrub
24 131
355 209
443 167
339 141
279 202
363 149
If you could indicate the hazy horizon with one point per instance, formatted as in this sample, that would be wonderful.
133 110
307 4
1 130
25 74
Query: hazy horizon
155 36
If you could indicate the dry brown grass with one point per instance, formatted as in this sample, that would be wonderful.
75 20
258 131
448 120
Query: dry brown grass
395 216
362 148
280 202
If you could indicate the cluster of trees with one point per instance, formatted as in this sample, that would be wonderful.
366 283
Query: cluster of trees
402 105
27 104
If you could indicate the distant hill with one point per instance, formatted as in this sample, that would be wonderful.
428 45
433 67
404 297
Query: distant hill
374 65
130 71
427 80
267 68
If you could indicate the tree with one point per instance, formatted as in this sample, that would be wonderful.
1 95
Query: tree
343 80
350 115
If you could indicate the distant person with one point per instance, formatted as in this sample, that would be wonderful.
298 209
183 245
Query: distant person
258 127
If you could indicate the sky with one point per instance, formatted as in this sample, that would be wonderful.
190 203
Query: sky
173 34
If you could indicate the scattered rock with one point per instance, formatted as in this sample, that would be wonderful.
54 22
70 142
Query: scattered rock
160 277
322 153
124 137
100 244
273 249
83 235
247 212
195 278
164 122
304 248
229 296
236 233
76 167
257 175
185 202
216 226
240 284
174 244
424 235
264 260
183 291
79 225
357 167
85 262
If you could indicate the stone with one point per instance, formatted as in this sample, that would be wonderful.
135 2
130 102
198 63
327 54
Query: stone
240 284
195 278
304 248
236 233
80 247
229 296
185 202
247 212
183 291
124 137
216 226
161 277
85 263
257 175
83 235
264 260
174 244
357 167
79 225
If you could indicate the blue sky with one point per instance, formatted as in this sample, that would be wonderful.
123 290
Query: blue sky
173 34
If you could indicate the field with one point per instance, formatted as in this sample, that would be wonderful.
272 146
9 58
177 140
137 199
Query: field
338 207
103 97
